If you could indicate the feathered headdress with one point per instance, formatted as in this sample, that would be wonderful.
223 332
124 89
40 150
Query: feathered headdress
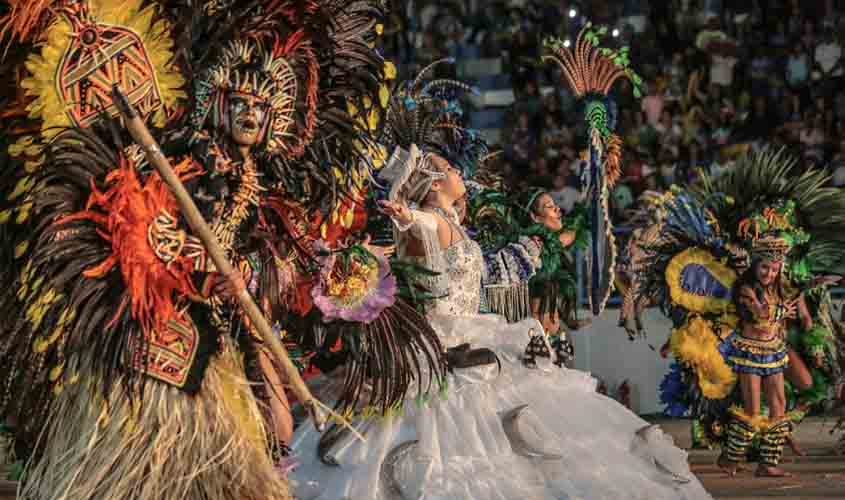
409 174
247 67
770 248
427 113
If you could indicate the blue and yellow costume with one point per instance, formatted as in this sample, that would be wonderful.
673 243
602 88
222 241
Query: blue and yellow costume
758 357
693 248
761 357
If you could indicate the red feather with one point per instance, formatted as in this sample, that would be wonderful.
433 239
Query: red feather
123 213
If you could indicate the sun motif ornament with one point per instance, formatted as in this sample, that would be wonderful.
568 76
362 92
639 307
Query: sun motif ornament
89 47
355 285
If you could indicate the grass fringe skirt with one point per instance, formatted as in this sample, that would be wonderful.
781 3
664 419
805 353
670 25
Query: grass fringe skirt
210 446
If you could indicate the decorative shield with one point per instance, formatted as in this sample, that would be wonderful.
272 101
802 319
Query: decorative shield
100 56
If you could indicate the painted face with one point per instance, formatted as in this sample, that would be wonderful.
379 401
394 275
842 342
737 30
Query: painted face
767 271
247 114
546 212
453 184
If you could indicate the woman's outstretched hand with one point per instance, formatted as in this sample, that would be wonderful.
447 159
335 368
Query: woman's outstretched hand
397 211
791 309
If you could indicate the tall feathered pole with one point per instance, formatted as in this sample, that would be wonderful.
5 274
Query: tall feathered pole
591 71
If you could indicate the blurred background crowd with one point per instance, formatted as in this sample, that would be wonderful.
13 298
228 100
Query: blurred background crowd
721 77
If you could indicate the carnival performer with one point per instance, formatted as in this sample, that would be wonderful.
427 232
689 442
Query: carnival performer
741 265
553 289
125 364
457 447
496 219
647 222
757 352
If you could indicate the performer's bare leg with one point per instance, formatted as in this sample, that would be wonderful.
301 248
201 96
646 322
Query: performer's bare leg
776 398
799 376
282 420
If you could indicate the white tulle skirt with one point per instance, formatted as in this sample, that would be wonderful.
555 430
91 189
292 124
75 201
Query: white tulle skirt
514 434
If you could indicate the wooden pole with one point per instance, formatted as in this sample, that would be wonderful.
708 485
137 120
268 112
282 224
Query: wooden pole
139 132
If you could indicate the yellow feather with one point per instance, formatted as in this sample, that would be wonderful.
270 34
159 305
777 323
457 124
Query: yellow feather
41 344
697 345
348 218
21 187
389 70
64 317
351 108
130 425
20 249
373 119
361 123
4 216
378 156
56 372
383 95
757 422
36 285
35 311
23 213
16 149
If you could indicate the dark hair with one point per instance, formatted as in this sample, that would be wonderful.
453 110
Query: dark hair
527 201
749 279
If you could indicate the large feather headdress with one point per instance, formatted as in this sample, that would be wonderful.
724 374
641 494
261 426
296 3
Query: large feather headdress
428 113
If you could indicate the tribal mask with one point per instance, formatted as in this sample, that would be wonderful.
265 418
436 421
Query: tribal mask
250 94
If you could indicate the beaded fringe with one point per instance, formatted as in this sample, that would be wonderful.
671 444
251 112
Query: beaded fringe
511 301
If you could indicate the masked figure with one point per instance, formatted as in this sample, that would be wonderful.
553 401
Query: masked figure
128 367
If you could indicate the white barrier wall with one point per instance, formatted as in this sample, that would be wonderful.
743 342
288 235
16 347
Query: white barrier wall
603 349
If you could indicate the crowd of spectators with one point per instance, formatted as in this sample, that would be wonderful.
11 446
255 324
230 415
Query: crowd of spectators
720 78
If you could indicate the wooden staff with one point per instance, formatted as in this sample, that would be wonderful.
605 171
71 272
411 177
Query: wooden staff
138 131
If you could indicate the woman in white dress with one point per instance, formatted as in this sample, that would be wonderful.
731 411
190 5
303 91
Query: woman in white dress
503 431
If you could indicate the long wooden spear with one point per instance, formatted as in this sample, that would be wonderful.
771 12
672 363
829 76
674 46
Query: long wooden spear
139 132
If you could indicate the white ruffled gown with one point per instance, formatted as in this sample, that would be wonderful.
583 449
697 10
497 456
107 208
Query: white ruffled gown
569 442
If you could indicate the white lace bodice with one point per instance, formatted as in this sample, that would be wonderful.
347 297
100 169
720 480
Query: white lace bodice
460 281
460 266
